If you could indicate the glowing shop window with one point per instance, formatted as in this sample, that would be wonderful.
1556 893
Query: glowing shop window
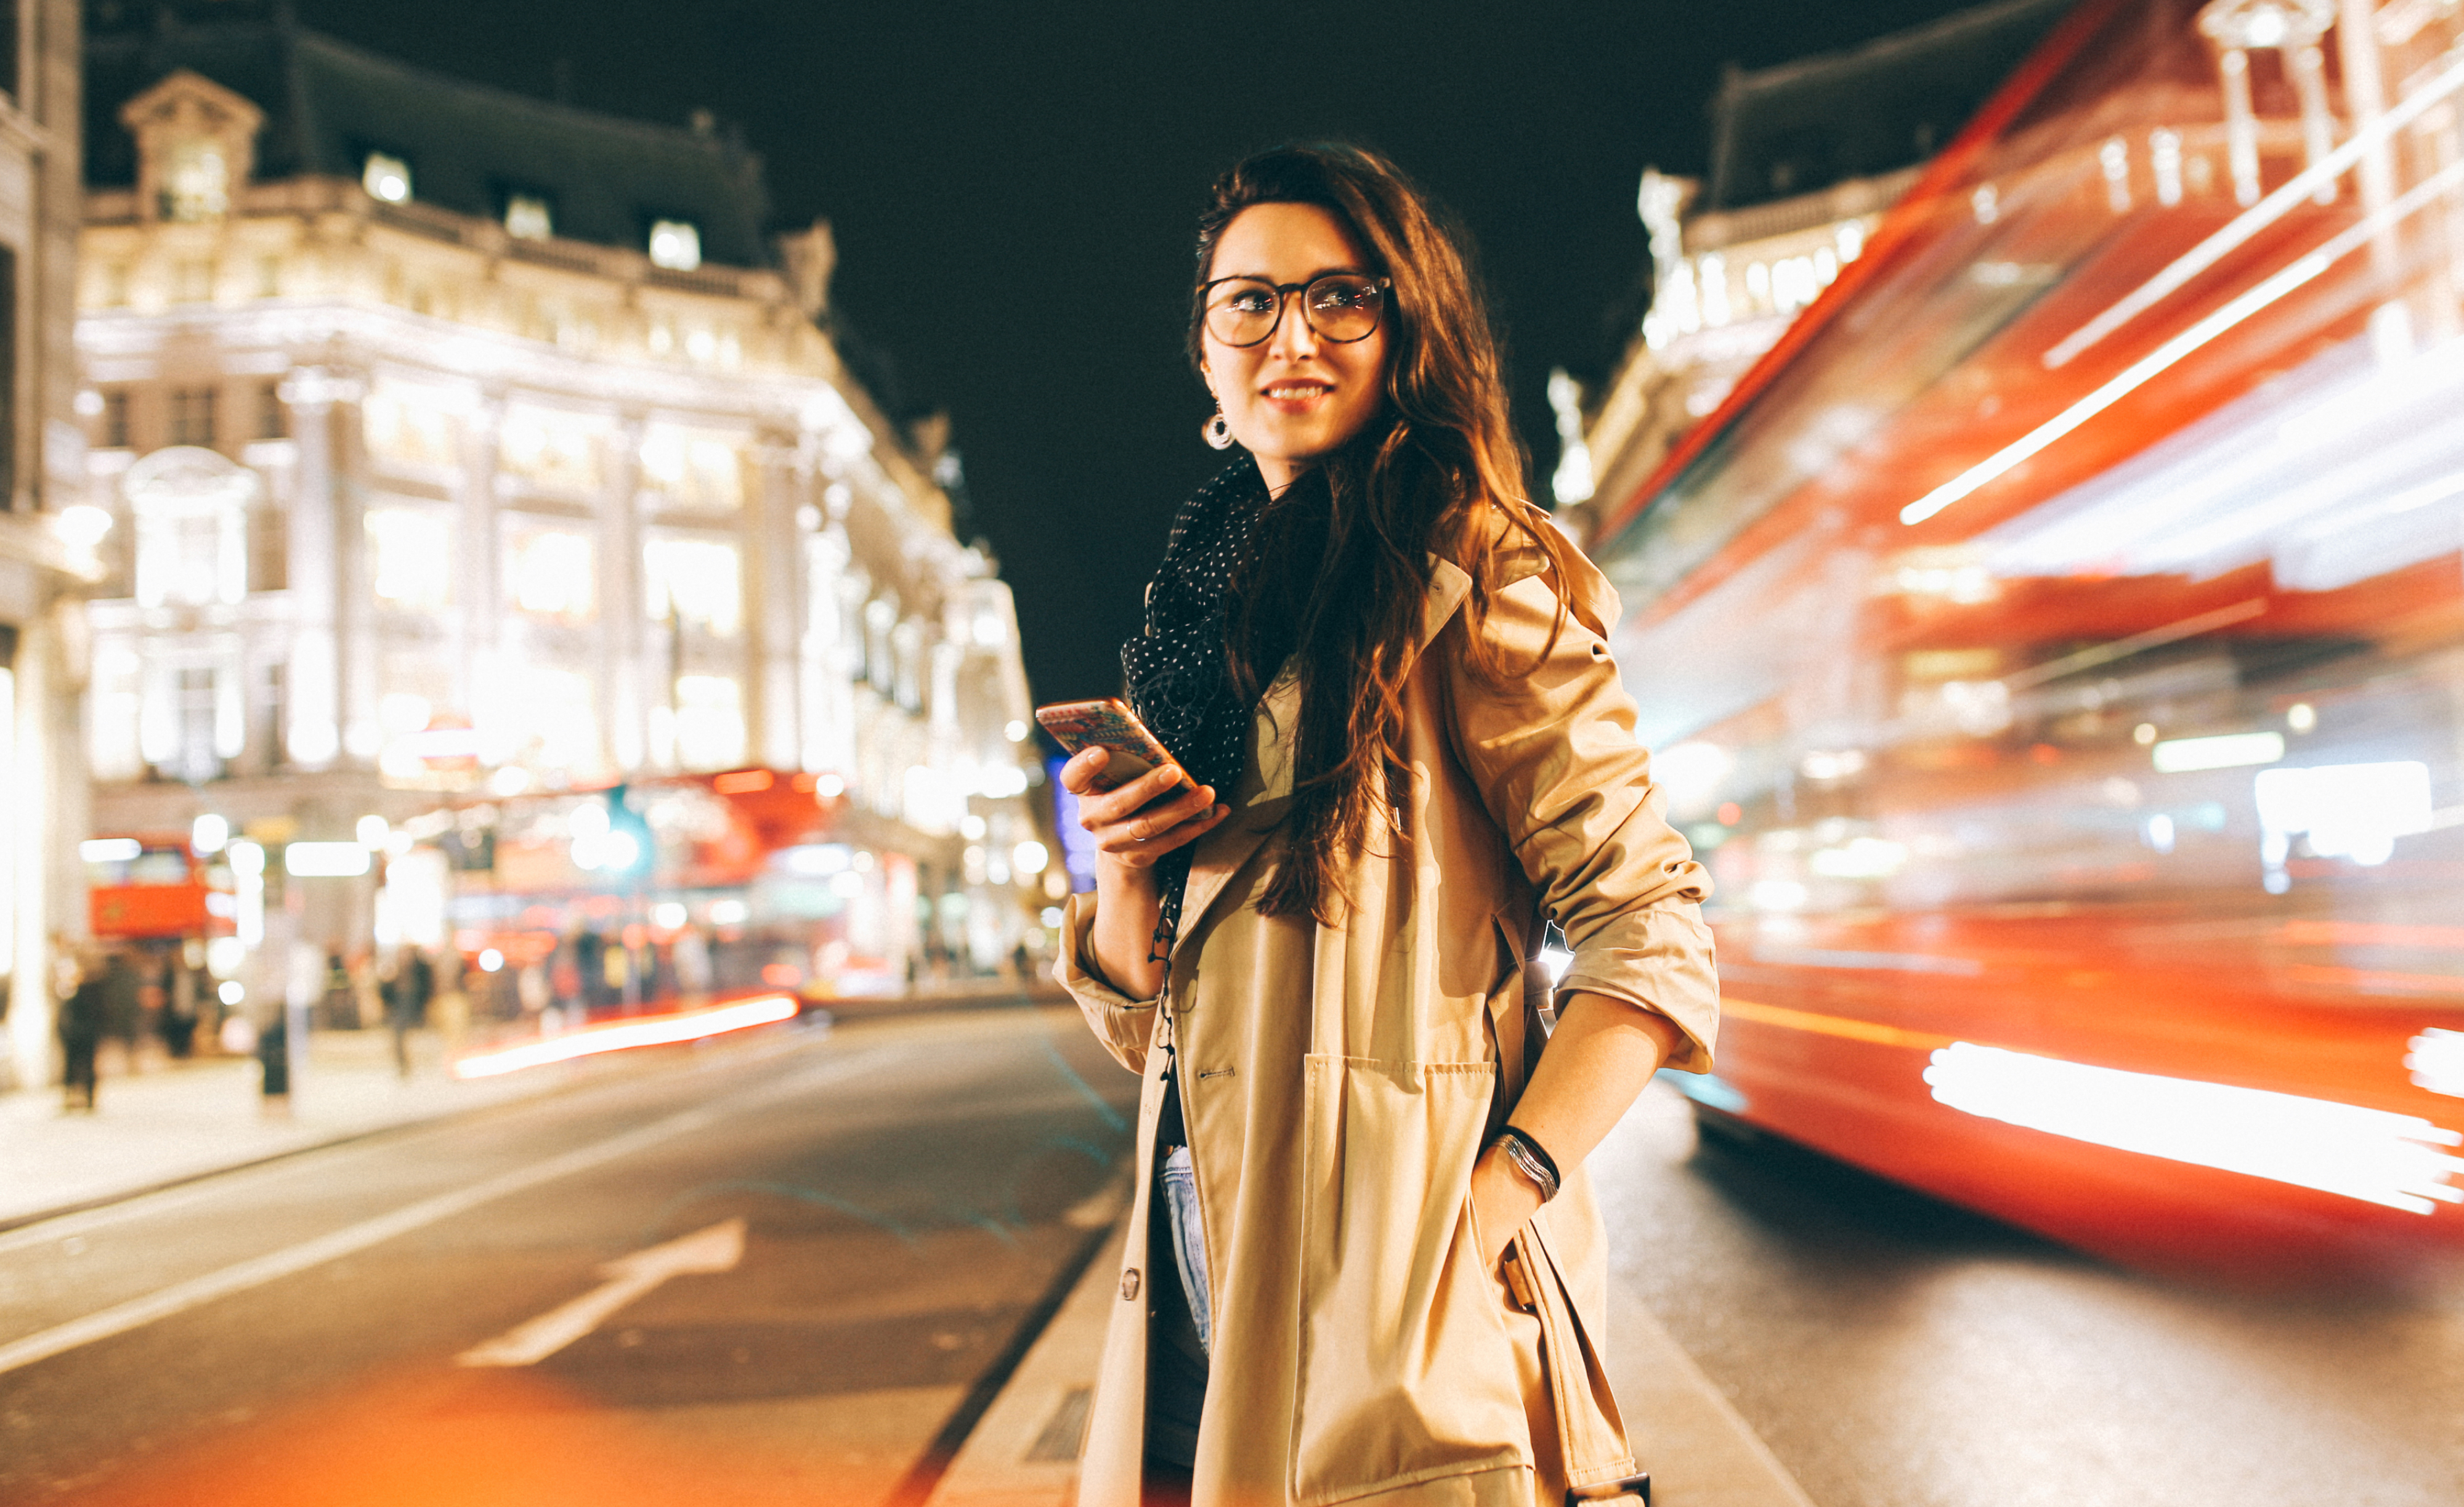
385 177
410 556
527 217
196 181
694 468
695 581
675 245
710 722
551 450
552 574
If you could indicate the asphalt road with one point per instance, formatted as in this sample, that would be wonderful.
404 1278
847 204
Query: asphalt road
1892 1351
912 1191
909 1193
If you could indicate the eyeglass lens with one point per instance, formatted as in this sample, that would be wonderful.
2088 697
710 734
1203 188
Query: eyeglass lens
1340 307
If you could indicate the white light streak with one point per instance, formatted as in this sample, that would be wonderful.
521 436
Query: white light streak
2437 1062
325 860
110 850
2223 751
2257 217
2373 1155
2172 353
2130 380
666 1030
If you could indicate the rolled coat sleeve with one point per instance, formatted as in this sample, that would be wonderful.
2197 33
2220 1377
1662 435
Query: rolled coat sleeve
1552 748
1123 1024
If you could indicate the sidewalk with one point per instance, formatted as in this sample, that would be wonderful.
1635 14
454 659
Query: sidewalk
185 1119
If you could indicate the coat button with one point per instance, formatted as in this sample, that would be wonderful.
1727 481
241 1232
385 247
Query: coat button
1129 1284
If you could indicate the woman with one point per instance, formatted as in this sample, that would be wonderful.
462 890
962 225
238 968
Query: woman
1405 746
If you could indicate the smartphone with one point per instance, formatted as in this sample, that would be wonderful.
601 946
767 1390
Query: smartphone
1111 726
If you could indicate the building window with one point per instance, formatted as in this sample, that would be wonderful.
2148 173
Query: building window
551 575
695 583
410 557
403 429
191 557
692 469
191 510
115 418
527 217
273 419
551 450
197 181
192 415
675 245
385 177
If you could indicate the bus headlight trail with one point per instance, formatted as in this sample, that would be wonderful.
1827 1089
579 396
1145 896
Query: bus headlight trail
624 1035
2374 1155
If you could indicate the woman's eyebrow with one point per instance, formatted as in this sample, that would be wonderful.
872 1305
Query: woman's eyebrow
1322 272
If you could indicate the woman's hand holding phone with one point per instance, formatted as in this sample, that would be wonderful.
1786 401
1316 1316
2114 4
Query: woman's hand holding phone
1137 823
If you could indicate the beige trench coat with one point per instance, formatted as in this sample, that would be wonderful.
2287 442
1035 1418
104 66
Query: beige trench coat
1339 1082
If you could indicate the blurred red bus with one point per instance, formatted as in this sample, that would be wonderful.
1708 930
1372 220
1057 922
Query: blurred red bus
2056 649
152 886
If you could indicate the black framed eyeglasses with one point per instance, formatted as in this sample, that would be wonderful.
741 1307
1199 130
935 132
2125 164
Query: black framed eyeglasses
1339 306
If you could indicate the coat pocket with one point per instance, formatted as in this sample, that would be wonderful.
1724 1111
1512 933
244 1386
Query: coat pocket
1404 1373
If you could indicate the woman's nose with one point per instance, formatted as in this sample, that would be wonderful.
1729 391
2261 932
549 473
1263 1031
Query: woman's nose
1294 338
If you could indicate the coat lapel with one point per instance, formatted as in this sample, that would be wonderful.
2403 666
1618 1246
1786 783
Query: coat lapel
1265 794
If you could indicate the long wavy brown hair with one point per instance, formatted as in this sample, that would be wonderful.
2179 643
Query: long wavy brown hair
1346 590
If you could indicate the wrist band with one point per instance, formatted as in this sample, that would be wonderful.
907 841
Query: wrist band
1531 1159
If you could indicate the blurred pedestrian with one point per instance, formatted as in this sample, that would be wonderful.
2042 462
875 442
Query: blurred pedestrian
1367 1264
84 1015
274 1063
340 1004
123 1007
405 991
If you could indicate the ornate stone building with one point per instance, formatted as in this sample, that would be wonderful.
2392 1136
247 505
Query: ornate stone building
46 539
463 445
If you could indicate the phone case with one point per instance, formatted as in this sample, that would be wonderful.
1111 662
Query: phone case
1107 723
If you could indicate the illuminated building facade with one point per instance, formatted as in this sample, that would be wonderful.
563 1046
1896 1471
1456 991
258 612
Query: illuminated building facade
1805 158
46 539
465 446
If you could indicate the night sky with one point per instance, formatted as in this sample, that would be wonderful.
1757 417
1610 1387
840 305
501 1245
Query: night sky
1013 190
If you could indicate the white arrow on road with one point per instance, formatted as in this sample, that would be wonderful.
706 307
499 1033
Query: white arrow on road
716 1249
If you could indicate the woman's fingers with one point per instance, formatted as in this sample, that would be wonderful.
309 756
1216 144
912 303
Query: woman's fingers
1145 839
1105 807
1079 776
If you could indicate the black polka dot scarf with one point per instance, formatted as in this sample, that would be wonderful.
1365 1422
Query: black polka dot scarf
1178 681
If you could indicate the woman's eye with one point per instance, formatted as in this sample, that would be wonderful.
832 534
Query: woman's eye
1250 301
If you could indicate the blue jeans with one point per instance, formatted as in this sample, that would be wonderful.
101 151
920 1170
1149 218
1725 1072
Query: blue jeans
1179 1182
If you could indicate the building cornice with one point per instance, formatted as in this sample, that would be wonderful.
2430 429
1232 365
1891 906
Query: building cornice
30 538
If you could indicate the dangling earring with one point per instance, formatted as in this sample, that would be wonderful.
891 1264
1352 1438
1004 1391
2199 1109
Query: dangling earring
1218 433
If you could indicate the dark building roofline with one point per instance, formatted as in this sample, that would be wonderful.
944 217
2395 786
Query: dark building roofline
1889 103
469 144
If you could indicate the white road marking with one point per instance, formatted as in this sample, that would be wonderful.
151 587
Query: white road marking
716 1249
182 1296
